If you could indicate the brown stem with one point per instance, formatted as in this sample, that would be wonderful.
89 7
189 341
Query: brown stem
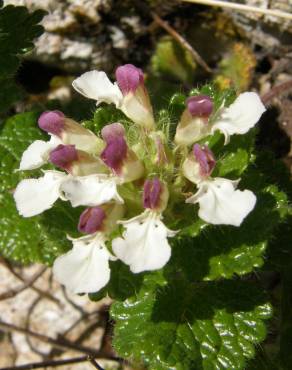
27 284
45 364
276 91
41 292
94 363
184 43
59 343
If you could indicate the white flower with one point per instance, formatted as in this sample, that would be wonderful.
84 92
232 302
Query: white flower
34 196
96 85
240 116
85 268
221 203
144 245
37 154
134 104
92 190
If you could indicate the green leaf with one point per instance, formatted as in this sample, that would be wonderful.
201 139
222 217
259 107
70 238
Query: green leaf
123 283
40 238
18 28
170 59
192 326
105 115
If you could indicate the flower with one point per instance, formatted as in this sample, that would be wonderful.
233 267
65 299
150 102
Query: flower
62 130
122 161
144 245
95 169
85 268
88 182
128 93
199 120
219 200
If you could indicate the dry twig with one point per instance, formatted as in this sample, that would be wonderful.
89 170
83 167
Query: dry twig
184 43
94 363
45 364
276 91
27 284
59 343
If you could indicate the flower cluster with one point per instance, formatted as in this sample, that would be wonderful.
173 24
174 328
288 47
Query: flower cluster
116 176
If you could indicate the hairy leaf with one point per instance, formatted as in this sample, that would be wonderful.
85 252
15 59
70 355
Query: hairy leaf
18 28
40 238
191 326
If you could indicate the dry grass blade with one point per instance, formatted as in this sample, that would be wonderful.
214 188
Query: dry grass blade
242 7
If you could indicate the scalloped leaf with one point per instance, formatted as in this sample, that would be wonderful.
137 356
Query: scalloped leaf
40 238
18 28
192 326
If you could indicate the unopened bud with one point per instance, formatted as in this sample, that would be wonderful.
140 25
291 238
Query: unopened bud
200 106
112 131
75 162
136 103
63 156
91 220
115 154
205 158
155 195
199 164
52 122
129 78
69 131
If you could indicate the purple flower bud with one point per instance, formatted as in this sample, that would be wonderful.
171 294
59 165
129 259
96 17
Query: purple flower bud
205 158
115 153
129 78
151 194
200 106
52 122
91 220
112 131
63 156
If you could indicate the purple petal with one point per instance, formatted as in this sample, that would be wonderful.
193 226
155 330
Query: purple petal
201 105
112 131
115 153
91 220
205 158
63 156
151 193
52 122
129 78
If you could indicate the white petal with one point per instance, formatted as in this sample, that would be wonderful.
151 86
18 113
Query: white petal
37 153
33 196
137 111
220 202
96 85
92 190
144 246
241 116
85 268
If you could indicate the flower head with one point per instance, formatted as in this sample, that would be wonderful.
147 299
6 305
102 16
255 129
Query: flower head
154 176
